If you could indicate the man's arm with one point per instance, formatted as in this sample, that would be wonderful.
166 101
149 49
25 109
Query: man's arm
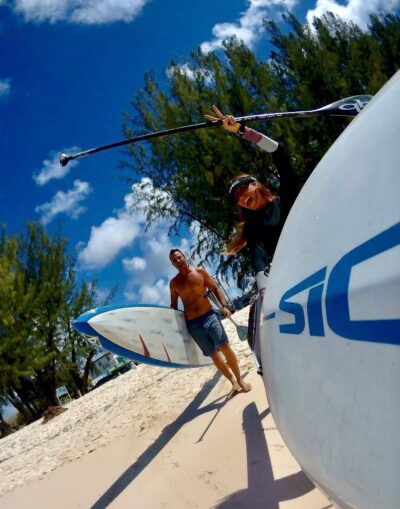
212 285
174 295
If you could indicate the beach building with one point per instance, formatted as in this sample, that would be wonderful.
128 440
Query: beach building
106 364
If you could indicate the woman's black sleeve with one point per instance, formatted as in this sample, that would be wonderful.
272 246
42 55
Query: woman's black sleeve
289 186
259 257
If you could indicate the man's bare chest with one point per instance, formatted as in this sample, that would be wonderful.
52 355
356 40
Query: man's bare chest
190 283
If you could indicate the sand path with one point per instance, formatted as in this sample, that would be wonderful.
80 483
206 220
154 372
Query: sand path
158 438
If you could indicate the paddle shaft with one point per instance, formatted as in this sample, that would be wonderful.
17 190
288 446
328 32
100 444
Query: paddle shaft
348 107
211 296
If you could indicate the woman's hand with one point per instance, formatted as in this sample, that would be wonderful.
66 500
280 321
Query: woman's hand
228 121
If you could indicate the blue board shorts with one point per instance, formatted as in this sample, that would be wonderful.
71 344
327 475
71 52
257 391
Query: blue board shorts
208 332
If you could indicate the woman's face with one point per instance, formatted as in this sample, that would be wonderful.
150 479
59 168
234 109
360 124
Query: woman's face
249 196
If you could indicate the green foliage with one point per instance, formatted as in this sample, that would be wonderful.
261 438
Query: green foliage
39 297
308 67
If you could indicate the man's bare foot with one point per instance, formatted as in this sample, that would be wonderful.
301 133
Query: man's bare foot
245 387
235 389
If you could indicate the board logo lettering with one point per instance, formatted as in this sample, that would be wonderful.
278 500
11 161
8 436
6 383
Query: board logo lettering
357 105
336 301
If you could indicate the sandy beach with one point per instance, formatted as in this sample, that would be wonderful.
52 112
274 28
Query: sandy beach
159 438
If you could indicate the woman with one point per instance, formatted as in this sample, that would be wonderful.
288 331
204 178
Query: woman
261 214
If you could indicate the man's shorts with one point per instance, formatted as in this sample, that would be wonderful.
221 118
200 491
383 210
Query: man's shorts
208 332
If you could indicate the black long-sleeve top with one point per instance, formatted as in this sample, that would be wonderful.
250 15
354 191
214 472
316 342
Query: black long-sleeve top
263 227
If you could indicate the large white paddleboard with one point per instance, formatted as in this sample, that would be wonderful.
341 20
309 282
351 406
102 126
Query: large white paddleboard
151 334
331 315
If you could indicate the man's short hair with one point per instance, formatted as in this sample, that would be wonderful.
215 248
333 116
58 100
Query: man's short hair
175 251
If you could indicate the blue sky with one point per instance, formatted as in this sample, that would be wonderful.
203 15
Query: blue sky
68 69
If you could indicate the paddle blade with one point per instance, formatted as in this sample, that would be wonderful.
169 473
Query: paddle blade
347 107
241 330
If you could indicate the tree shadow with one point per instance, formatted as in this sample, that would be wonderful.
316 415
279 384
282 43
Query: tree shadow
192 411
263 491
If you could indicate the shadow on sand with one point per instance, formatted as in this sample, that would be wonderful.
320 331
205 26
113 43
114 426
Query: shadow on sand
192 411
263 491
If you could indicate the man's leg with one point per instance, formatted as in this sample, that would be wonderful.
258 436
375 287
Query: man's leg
234 366
224 370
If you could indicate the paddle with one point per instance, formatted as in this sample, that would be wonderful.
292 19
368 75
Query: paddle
348 107
241 330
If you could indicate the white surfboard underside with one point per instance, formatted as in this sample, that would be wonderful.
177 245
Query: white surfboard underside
153 332
331 315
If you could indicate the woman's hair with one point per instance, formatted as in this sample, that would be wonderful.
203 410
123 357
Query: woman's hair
238 241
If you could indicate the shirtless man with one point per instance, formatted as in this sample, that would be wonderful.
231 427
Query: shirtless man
191 284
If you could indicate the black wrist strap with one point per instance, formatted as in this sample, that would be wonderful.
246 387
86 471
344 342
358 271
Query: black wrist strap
242 129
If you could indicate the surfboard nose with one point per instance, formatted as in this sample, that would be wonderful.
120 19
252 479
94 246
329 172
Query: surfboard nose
81 325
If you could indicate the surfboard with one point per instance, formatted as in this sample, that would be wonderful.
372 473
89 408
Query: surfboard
330 321
151 334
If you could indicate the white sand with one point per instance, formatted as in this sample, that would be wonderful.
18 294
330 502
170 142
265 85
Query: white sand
164 438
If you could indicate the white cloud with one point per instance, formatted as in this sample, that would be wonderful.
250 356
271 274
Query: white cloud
68 203
79 11
107 240
157 293
151 285
250 25
184 69
5 86
149 275
134 264
190 73
52 168
120 231
101 294
144 192
357 11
